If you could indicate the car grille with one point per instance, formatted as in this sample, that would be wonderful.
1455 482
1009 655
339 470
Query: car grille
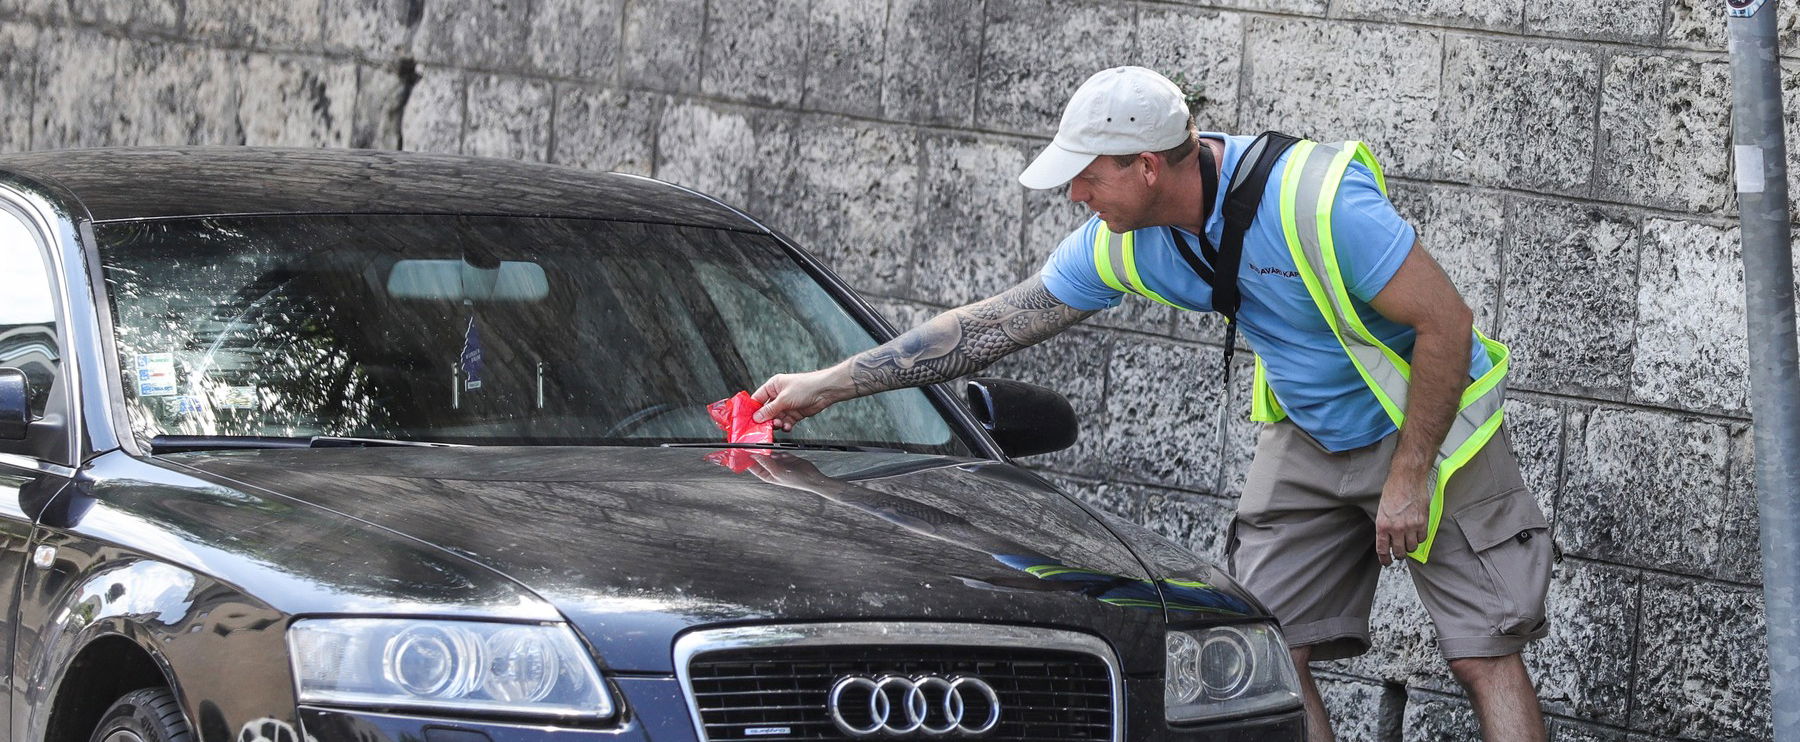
757 692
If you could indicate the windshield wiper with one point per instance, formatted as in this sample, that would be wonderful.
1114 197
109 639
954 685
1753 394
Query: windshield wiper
787 446
185 443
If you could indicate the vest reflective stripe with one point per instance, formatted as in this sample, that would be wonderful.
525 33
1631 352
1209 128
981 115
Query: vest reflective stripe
1118 267
1308 191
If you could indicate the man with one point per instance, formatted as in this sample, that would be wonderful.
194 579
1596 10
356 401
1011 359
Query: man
1375 386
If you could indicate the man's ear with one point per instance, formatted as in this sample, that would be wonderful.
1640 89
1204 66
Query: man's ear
1154 167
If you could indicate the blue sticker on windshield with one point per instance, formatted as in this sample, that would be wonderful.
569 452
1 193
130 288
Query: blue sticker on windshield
471 357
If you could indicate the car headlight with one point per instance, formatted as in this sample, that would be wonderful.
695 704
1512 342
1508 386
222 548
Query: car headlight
515 669
1224 671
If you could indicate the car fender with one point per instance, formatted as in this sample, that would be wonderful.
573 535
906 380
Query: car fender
226 645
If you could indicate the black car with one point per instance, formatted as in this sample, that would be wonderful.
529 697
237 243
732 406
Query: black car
323 445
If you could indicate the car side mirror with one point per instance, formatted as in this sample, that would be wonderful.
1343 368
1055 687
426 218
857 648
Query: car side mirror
15 404
1025 419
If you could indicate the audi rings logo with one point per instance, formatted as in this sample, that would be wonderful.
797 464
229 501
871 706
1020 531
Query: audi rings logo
893 705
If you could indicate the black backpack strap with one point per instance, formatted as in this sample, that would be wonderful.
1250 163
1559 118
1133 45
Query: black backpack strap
1242 198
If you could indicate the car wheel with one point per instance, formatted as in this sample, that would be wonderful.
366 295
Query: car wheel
143 715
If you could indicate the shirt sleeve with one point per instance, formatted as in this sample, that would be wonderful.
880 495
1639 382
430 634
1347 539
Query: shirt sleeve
1070 274
1370 237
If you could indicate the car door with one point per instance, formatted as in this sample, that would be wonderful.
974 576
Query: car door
34 469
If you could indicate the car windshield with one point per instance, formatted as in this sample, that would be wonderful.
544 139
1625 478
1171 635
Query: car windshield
481 330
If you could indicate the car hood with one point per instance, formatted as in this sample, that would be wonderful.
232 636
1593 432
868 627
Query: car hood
635 545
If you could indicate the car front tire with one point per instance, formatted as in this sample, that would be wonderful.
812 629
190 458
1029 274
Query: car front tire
143 715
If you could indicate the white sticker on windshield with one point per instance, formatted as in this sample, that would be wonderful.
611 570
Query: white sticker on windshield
235 398
155 374
185 405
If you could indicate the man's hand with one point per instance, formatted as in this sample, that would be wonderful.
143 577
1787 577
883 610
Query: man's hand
1403 517
789 398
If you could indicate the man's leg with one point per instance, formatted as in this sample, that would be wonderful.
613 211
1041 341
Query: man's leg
1318 723
1505 701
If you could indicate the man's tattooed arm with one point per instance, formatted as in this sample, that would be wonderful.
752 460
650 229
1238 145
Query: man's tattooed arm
964 340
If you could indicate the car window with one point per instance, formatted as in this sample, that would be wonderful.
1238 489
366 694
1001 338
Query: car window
27 314
475 329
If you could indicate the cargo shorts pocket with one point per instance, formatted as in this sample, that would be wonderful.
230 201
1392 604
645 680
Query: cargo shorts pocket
1510 540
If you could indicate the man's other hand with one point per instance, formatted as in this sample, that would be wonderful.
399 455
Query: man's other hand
1403 518
789 398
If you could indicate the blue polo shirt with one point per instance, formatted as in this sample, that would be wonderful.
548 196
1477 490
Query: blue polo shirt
1307 368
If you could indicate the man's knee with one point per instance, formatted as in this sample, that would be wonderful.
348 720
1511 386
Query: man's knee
1481 671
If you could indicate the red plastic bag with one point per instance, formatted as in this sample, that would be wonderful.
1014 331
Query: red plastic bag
735 416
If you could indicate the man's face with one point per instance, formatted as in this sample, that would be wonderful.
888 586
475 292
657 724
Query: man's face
1120 195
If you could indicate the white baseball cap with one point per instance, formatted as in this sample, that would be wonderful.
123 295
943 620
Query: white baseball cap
1121 111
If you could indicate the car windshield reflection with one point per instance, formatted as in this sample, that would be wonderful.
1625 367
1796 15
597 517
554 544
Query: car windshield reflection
476 330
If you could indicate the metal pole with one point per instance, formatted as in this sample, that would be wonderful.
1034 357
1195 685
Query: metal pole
1761 158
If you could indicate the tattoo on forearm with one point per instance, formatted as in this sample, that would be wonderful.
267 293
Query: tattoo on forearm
965 340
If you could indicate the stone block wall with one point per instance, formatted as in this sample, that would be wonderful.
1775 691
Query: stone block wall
1565 161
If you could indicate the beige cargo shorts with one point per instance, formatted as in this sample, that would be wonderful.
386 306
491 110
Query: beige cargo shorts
1304 543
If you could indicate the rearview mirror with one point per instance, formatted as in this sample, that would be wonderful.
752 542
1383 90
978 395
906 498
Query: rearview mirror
1025 419
15 404
457 280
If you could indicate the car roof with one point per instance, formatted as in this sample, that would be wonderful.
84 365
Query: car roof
115 184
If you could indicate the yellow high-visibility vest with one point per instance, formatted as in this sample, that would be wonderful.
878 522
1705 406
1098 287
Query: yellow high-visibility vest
1309 185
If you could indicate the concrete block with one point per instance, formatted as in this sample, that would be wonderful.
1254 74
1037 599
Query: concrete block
296 101
1535 431
1518 114
1201 48
433 119
1356 706
508 117
734 155
1301 82
755 51
1577 264
1500 15
1432 717
72 60
933 52
1703 668
1403 641
1691 352
1629 21
176 94
854 199
576 38
40 10
1583 667
1562 730
971 222
1040 52
292 25
1624 470
479 34
133 15
1285 7
18 71
1464 230
1161 427
1697 24
841 74
1200 523
602 129
374 29
1740 535
1664 124
663 45
1074 364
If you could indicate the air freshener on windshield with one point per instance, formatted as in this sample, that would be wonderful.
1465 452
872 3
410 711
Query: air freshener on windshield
736 416
471 357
